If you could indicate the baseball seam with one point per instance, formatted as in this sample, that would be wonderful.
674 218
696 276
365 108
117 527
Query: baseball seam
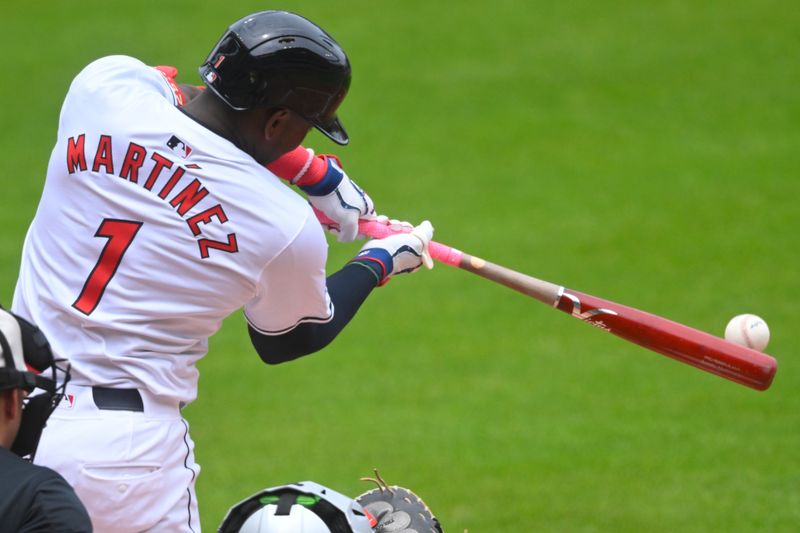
743 330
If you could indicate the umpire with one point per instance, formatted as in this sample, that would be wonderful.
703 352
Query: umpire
32 498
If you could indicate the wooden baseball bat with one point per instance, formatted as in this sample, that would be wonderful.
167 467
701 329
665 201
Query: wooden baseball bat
683 343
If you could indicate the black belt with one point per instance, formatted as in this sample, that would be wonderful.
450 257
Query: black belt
117 399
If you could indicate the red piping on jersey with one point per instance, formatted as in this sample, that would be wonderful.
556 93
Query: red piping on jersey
169 74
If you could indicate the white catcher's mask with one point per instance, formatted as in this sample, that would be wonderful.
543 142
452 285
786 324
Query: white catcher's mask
304 507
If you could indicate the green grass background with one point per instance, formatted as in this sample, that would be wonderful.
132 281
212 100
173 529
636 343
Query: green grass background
647 152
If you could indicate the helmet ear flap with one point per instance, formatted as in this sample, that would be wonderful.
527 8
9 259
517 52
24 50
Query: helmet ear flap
223 74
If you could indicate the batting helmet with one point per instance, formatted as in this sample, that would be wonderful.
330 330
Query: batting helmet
277 58
304 507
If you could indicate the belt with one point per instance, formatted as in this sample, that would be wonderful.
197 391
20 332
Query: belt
117 399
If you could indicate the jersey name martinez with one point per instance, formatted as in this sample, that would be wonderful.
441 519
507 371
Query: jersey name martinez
162 180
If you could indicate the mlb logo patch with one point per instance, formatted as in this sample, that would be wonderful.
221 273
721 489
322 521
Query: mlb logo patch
70 401
179 147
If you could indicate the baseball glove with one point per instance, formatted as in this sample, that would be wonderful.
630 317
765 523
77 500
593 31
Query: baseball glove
397 510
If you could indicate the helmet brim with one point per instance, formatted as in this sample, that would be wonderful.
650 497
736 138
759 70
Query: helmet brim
334 131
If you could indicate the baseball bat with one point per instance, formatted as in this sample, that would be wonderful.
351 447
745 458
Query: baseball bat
688 345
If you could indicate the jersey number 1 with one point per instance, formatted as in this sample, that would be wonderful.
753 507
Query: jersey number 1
120 234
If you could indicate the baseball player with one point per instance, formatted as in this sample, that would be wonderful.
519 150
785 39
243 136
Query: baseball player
158 220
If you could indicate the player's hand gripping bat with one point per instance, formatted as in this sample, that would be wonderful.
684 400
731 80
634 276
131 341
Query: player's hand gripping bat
688 345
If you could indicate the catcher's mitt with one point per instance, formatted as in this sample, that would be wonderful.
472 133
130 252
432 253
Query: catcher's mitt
397 510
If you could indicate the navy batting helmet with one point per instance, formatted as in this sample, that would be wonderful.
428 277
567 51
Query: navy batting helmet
277 58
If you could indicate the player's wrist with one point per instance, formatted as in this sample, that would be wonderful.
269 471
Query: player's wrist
329 181
300 167
377 260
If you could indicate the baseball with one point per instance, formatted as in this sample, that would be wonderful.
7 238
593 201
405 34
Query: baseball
748 330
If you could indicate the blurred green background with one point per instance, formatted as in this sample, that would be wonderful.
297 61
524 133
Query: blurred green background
646 152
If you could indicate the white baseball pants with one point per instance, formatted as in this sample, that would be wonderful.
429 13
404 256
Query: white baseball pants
133 470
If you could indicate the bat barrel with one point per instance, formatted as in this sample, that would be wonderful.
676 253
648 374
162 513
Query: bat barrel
683 343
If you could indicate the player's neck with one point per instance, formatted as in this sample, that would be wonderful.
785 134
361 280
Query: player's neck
245 129
208 111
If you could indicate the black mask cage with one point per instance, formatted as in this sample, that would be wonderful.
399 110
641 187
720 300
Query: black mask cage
38 407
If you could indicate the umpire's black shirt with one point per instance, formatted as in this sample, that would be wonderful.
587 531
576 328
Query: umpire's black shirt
36 499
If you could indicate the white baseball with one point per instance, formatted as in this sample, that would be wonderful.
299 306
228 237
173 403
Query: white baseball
748 330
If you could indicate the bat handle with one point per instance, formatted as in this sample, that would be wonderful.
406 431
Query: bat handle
446 254
378 230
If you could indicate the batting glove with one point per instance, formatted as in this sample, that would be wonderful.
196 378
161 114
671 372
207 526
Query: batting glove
397 254
341 200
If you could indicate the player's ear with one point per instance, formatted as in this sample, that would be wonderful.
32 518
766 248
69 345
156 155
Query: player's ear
275 123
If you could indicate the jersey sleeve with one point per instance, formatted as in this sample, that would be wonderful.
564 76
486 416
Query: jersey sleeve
292 288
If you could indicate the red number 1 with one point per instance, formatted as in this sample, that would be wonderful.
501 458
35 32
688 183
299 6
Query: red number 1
120 234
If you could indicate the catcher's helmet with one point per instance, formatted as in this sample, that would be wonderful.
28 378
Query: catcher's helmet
277 58
25 356
304 507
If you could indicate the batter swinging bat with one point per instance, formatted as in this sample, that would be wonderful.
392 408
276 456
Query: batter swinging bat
688 345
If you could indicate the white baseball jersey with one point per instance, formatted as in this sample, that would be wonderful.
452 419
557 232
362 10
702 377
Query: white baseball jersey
151 230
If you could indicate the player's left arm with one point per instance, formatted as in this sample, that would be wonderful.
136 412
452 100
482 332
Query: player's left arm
328 188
